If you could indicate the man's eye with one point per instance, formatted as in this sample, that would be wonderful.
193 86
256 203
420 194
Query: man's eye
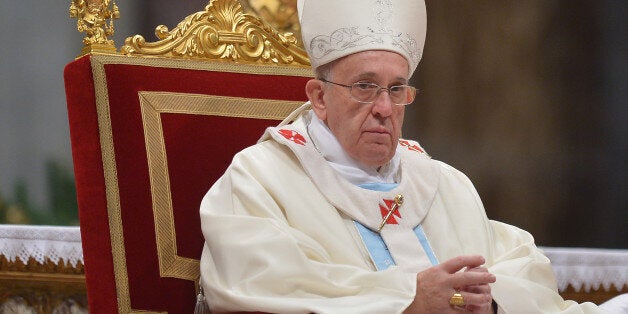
365 86
397 89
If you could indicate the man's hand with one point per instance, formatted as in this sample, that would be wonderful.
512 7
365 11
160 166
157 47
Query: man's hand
479 289
437 284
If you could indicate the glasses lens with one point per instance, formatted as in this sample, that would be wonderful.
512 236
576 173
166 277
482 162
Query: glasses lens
364 92
402 94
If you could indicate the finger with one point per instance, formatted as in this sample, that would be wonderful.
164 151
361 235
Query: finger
482 308
460 280
476 300
477 289
457 263
477 269
479 308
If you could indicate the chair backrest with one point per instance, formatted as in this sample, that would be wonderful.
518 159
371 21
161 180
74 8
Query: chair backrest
151 129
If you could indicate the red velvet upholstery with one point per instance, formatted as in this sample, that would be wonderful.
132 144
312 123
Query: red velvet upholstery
199 148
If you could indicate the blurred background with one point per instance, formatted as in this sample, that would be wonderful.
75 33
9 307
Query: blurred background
526 97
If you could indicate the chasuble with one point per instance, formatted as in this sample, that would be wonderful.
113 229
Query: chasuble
285 233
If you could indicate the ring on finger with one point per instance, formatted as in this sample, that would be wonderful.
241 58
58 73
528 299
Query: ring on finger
457 299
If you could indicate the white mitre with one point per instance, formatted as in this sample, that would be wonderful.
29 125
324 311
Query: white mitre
332 29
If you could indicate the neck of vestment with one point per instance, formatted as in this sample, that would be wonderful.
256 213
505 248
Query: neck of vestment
369 207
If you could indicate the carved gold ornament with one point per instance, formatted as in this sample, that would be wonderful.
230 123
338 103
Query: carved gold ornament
222 31
95 19
280 14
48 287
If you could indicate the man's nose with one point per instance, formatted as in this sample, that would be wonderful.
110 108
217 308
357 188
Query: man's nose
382 105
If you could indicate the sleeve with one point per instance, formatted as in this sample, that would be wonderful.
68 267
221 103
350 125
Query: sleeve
253 260
525 280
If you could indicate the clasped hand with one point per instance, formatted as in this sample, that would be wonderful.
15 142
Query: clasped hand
437 284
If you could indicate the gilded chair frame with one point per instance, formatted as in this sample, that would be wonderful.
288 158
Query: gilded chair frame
220 39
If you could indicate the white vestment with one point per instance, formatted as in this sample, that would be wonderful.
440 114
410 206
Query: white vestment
280 235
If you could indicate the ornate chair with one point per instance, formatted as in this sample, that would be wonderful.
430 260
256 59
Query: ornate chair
152 127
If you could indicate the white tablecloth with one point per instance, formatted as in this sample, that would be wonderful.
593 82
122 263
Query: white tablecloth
41 242
586 268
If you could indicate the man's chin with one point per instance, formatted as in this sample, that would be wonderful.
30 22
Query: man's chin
377 155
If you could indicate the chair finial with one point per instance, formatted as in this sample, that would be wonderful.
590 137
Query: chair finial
95 19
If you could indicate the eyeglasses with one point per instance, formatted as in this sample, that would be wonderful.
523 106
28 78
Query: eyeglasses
367 93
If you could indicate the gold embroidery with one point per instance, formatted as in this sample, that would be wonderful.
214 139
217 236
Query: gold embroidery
152 105
111 185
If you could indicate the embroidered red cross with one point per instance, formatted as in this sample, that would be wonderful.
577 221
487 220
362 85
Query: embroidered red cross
385 209
411 146
293 136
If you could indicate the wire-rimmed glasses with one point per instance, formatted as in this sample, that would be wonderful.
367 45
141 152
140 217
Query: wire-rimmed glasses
367 93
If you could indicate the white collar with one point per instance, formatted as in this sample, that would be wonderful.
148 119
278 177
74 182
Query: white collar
349 168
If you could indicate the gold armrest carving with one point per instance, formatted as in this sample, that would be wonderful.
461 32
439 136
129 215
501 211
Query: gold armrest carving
222 31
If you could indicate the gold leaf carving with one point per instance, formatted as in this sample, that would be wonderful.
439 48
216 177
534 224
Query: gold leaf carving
92 17
282 15
222 31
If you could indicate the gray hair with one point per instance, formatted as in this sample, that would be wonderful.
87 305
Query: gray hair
324 71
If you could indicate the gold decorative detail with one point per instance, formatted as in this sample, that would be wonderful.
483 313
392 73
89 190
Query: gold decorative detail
280 14
49 287
153 104
222 31
33 266
398 201
111 185
92 16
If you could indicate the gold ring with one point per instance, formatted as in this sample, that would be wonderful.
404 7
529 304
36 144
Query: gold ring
457 299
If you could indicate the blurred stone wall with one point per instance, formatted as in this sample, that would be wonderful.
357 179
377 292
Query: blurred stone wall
516 95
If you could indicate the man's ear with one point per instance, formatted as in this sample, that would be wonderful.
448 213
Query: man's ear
315 91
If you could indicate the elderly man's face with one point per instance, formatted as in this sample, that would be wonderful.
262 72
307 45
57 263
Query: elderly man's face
368 132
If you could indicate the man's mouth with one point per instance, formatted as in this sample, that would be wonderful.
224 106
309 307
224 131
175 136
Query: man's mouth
379 130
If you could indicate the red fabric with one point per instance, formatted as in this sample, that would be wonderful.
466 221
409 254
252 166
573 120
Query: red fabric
90 187
194 165
199 148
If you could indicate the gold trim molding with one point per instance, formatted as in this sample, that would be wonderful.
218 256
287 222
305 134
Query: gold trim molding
32 266
222 32
48 287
